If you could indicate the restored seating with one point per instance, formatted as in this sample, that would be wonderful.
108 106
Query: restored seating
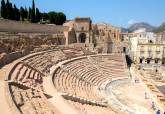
44 61
72 84
80 80
77 81
26 91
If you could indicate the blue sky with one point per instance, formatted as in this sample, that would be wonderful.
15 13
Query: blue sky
117 12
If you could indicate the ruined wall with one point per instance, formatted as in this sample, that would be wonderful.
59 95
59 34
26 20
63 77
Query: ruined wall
15 36
7 58
19 38
72 37
11 42
22 27
104 42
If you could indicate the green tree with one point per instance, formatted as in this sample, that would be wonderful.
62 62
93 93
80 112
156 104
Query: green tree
33 12
9 10
61 18
38 15
52 17
3 9
57 18
22 13
29 14
25 13
16 13
45 16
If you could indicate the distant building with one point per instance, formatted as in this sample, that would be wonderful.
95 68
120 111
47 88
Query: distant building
80 30
99 37
161 36
144 47
106 37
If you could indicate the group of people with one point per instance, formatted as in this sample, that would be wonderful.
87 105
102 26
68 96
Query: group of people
153 105
154 108
146 97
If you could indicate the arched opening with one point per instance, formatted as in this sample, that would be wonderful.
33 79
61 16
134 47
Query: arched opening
82 38
141 60
163 61
128 60
148 60
156 60
124 49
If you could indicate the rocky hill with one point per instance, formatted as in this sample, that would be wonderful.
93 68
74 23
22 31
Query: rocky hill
161 28
137 26
124 29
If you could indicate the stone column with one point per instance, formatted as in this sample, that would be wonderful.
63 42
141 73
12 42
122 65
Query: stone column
66 35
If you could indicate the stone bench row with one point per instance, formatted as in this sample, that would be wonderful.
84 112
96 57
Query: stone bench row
26 90
45 61
65 82
29 101
85 70
25 74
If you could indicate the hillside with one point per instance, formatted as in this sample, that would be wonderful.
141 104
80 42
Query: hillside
124 29
161 28
137 26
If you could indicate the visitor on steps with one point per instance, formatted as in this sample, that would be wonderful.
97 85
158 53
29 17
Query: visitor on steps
153 105
146 95
158 112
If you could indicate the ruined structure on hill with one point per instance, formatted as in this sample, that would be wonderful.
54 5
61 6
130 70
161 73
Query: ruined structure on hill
18 39
74 68
99 37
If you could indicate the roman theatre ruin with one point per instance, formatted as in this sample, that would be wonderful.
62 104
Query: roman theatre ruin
77 68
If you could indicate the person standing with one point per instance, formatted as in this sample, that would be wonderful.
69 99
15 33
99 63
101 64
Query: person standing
153 105
158 112
145 95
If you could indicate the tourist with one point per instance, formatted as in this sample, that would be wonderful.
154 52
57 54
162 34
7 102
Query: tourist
153 105
145 95
158 112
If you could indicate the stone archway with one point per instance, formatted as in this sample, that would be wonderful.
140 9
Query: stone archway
82 37
141 60
148 60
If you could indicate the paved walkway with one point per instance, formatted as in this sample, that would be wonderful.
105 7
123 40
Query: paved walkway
133 96
4 107
57 100
130 96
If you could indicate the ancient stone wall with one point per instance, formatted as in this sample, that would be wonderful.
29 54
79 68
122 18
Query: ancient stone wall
7 58
16 45
11 42
15 26
72 37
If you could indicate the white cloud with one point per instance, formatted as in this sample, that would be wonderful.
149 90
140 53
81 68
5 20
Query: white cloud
132 21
